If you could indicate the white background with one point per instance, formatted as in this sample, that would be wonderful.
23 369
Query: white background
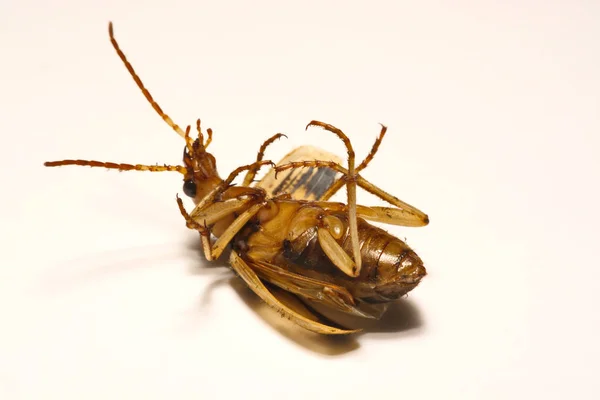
493 116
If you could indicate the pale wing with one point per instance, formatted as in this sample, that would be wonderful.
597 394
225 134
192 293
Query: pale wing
329 294
302 183
299 317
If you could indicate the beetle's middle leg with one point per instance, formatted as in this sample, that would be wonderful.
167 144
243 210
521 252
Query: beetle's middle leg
387 215
261 153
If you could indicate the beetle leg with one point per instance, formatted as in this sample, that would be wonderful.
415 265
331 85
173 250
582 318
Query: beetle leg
336 253
261 153
337 185
189 222
207 210
214 250
202 229
220 188
216 211
391 216
386 215
223 240
350 180
253 281
363 183
374 149
206 245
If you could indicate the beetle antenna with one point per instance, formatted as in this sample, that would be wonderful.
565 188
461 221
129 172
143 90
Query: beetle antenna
140 85
120 167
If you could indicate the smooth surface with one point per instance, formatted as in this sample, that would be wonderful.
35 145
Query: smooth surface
492 109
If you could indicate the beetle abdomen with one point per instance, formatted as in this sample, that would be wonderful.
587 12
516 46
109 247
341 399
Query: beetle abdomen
390 268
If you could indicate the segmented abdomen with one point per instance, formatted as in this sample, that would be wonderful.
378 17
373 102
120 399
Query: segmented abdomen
390 268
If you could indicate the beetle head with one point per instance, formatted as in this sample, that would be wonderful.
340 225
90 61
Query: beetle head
201 174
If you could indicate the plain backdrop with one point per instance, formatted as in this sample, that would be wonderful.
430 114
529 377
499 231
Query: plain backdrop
493 115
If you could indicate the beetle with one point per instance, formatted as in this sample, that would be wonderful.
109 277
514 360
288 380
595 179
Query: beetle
287 241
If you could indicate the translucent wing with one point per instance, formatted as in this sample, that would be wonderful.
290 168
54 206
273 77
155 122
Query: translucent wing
302 183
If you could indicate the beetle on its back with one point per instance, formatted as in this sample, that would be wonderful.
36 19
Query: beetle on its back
283 231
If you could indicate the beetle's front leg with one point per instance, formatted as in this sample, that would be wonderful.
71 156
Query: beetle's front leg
203 230
220 210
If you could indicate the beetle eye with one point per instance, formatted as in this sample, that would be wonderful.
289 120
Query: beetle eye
189 188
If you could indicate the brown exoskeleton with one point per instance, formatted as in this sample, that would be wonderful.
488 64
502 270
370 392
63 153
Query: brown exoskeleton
287 241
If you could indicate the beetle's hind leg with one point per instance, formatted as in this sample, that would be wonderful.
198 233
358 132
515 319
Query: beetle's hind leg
386 215
363 183
336 253
337 185
349 179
